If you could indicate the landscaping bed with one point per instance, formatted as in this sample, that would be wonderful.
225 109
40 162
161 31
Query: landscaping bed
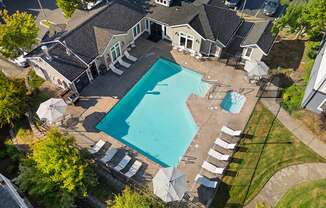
300 197
267 147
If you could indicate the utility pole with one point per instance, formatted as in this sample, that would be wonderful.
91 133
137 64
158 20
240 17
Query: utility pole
244 5
41 7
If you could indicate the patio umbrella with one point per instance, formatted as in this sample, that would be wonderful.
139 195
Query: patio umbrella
52 110
257 68
169 184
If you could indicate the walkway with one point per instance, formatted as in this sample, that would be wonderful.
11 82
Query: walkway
287 178
296 127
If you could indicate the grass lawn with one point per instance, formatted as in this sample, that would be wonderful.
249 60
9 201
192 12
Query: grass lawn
300 197
267 148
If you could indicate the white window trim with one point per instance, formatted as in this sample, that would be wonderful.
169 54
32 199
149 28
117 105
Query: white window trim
321 104
244 53
140 32
185 35
114 46
148 25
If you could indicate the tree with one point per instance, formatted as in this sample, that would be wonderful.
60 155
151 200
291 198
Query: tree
314 17
13 100
309 17
133 199
68 7
292 97
55 173
291 19
18 32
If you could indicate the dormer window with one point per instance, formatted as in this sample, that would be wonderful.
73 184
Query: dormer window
164 2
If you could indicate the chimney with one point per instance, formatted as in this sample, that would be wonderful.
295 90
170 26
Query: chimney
68 52
46 52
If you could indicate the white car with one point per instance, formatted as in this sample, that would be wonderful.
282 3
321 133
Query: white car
20 60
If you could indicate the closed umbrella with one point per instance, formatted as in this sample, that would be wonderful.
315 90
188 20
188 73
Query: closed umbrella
256 68
169 184
52 110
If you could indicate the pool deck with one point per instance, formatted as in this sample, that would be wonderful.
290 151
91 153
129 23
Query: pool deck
101 95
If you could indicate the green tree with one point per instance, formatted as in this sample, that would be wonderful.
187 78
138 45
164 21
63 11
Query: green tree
292 97
309 18
314 17
290 19
55 173
68 6
133 199
18 32
13 100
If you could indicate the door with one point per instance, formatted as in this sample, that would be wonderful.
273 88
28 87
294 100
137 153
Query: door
94 70
81 82
156 30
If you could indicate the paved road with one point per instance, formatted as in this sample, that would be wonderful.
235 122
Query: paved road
286 179
11 70
31 6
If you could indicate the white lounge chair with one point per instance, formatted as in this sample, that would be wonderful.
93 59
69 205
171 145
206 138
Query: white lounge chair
109 154
224 144
115 69
212 168
130 57
133 169
230 131
123 163
205 181
123 63
218 155
97 147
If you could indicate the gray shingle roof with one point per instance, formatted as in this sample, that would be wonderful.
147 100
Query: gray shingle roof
260 35
211 22
114 19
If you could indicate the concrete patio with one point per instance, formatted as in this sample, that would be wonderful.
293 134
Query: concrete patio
105 91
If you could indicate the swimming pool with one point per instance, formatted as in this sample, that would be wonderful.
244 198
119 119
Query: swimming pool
233 102
153 117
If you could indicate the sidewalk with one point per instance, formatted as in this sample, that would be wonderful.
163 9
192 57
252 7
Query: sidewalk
296 127
285 179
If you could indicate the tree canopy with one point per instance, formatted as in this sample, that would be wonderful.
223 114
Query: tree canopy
68 6
13 100
309 18
18 32
55 173
132 199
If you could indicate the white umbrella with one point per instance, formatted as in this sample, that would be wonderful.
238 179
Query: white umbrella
169 184
258 68
52 110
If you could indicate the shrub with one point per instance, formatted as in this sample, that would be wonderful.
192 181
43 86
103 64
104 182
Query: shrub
34 81
133 199
3 153
292 97
12 151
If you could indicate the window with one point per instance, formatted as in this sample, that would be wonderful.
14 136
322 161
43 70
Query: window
147 24
115 52
136 30
248 52
186 41
322 106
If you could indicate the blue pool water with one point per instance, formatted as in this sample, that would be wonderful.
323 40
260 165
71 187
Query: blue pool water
233 102
153 117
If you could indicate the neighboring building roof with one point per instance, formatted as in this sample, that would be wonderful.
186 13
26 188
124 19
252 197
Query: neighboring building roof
317 76
9 197
260 35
